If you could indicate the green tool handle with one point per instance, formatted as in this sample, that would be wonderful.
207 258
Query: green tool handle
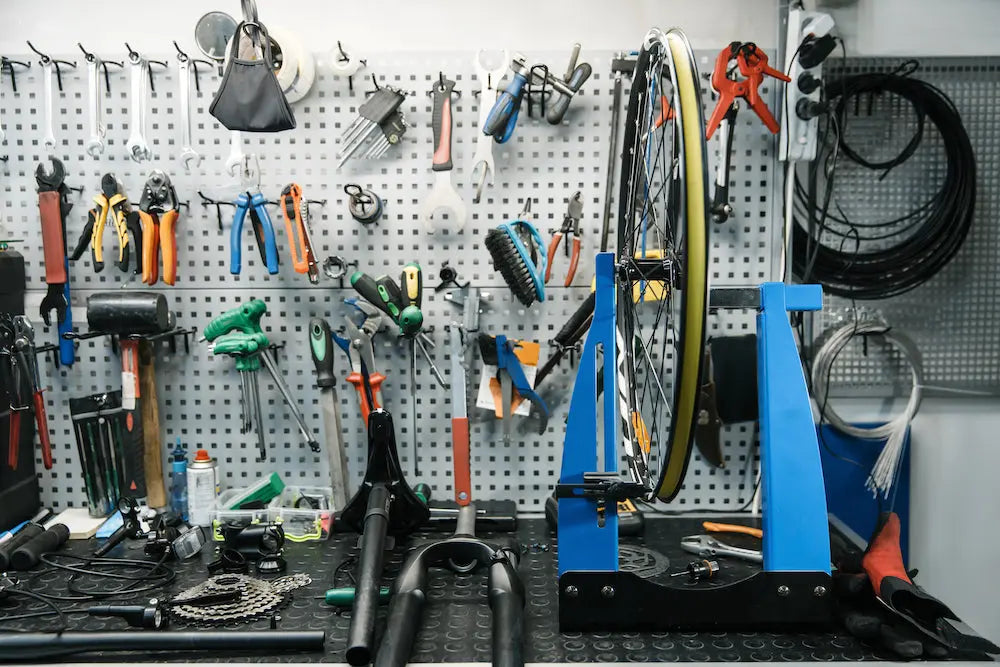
375 294
244 318
322 352
344 597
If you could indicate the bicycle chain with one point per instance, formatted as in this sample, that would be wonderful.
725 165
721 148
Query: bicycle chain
258 598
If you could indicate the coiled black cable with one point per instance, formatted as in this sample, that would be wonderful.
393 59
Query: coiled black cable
923 240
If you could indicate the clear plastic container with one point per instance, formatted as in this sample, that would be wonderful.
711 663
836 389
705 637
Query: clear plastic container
305 512
221 515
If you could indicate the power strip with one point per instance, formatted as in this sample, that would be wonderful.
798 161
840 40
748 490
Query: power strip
798 134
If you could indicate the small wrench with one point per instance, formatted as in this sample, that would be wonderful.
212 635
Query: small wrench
95 145
50 136
443 196
138 149
482 161
188 154
235 160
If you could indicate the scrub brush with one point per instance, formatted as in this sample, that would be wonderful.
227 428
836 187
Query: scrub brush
513 258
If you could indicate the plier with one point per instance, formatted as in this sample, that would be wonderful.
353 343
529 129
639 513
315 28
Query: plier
358 346
19 342
570 227
296 213
499 351
252 200
112 201
158 216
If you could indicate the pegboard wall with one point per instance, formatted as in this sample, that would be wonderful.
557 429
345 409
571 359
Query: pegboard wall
952 318
199 394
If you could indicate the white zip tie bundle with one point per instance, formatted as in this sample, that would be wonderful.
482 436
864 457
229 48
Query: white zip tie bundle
893 432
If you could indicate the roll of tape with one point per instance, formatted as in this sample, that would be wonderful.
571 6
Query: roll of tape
297 72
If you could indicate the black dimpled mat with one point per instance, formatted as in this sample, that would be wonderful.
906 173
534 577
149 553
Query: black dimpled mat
456 620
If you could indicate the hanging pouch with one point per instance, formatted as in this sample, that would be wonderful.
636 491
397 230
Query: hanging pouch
250 99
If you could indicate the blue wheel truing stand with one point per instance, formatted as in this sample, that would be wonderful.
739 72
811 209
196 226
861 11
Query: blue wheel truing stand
794 586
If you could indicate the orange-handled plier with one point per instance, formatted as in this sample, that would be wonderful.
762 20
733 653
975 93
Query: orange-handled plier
752 64
158 215
359 349
296 212
570 227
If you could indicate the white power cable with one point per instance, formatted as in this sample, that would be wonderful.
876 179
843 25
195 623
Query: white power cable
893 432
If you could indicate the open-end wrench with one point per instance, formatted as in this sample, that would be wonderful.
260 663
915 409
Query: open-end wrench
235 160
443 196
50 136
138 149
95 144
188 154
482 162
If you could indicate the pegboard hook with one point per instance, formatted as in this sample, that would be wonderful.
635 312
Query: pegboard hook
103 64
8 64
47 60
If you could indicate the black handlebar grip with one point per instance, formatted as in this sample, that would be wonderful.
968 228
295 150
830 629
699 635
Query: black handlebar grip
557 110
28 554
23 536
506 597
321 347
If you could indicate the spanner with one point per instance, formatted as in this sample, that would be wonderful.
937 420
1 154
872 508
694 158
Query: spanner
235 160
50 136
443 196
95 145
188 154
138 149
482 161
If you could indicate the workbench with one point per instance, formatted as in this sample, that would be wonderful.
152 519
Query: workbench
456 623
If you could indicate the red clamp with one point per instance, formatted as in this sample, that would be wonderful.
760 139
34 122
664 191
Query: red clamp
752 64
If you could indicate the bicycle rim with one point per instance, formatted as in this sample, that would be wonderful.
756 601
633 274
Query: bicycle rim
663 208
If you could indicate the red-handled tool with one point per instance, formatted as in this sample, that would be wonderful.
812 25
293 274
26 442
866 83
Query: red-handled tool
459 419
570 227
53 207
443 199
362 357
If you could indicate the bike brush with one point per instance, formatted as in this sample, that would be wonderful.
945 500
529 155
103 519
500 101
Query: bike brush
513 247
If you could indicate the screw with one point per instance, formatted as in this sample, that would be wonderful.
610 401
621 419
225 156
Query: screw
572 591
608 592
783 591
463 495
819 591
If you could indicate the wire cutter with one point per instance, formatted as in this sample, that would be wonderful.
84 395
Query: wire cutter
296 213
158 215
112 201
358 346
18 338
752 64
570 227
252 200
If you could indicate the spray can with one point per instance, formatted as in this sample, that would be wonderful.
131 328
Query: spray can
178 481
202 488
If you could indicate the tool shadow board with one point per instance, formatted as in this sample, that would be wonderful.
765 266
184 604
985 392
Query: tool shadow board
199 394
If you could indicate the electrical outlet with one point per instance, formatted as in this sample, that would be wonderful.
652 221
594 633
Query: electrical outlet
798 134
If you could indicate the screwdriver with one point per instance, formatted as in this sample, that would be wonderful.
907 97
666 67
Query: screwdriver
699 569
411 319
382 293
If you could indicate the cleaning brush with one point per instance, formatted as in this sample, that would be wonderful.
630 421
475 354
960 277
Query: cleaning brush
514 259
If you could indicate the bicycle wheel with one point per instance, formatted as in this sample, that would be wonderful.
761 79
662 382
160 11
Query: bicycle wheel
662 260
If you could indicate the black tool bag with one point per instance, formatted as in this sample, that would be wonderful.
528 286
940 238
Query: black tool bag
250 99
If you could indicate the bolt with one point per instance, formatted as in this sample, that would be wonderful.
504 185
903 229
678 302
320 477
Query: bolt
608 592
572 591
462 495
819 591
783 591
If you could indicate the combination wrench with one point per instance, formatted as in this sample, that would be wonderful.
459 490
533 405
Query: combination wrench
95 144
236 157
482 161
188 154
50 136
138 149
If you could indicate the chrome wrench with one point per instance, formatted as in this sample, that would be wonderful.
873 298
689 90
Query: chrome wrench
443 196
188 154
137 147
235 160
50 136
95 144
482 161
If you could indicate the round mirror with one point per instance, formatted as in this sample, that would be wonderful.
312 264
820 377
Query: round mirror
212 32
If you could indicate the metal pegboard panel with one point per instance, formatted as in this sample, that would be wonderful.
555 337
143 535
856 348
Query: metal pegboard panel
952 318
199 394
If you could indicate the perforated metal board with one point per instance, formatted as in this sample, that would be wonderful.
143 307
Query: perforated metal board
199 393
951 318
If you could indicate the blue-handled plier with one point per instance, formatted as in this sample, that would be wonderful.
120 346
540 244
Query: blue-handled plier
262 228
502 119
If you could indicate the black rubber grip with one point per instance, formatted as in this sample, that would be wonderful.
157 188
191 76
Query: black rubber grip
28 554
321 347
21 537
565 336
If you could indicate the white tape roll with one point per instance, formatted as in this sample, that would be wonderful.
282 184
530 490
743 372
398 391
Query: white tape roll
298 66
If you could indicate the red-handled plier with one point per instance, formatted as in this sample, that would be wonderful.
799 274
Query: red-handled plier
24 372
752 64
570 226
